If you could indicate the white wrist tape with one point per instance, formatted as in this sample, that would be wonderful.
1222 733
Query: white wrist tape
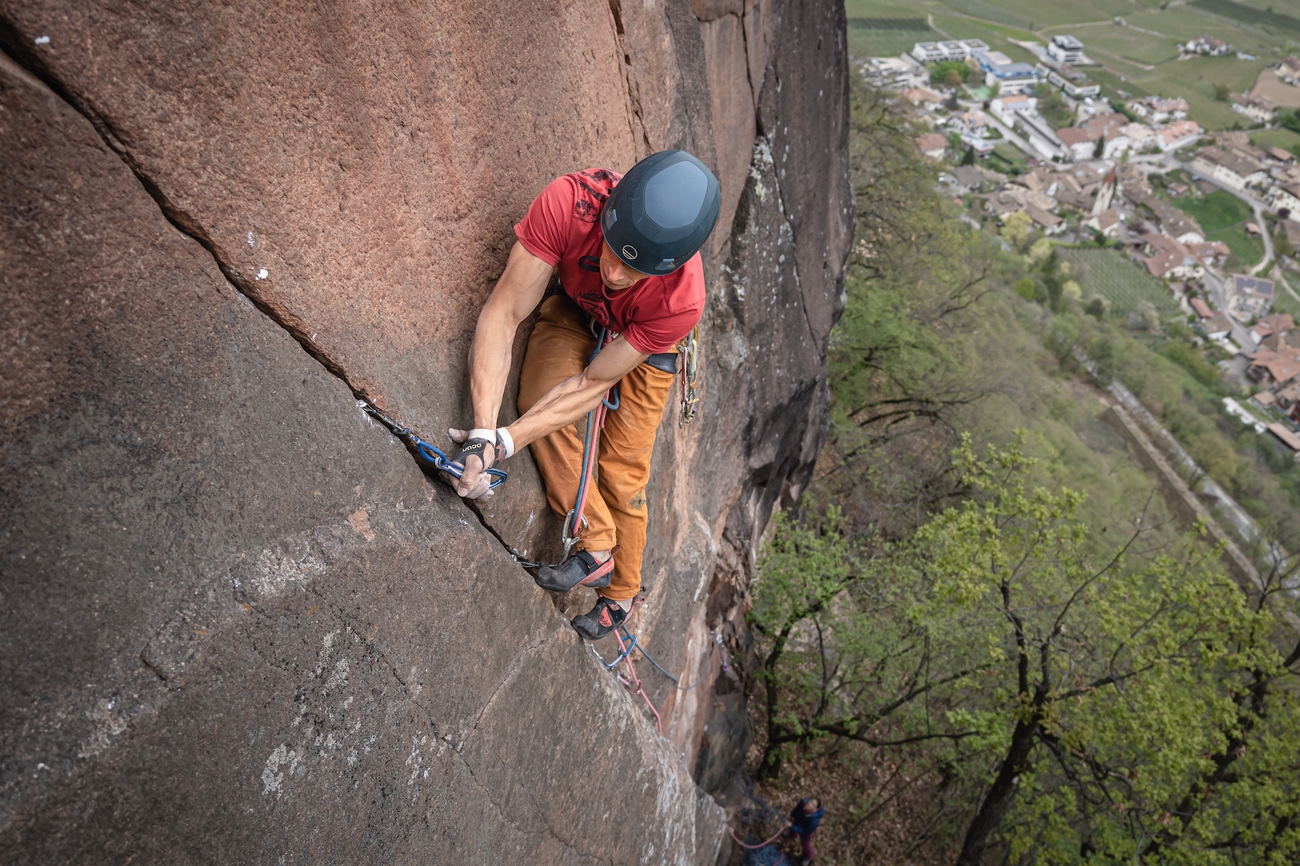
506 440
483 433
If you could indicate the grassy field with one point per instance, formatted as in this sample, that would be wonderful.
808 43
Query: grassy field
1249 250
1223 216
879 29
1282 300
1216 211
1122 282
1283 138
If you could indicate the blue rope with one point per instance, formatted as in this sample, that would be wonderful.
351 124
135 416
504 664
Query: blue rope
676 683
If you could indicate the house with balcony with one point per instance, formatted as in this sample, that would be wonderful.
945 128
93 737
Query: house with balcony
1074 83
1005 108
970 123
1158 109
1258 108
1289 70
1284 197
1065 49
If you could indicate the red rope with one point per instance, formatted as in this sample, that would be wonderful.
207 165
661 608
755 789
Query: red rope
760 844
636 681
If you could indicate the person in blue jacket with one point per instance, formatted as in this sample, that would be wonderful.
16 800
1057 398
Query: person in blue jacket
804 819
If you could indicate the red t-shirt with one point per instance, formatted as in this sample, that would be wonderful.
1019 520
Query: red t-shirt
562 228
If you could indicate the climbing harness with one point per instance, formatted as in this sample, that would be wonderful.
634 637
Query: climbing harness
689 349
429 453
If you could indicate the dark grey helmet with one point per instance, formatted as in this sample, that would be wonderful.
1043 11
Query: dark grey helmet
661 212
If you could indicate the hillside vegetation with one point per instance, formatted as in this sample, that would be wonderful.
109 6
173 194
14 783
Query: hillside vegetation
981 638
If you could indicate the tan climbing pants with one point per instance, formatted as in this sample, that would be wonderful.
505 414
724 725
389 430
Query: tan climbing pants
616 510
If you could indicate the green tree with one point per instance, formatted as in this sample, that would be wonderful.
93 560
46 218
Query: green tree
1221 92
1015 229
949 73
1078 703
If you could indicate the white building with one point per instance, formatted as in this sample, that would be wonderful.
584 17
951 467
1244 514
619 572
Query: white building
1076 87
1285 198
1065 49
1009 76
1157 109
1005 108
1228 168
937 52
1259 108
970 123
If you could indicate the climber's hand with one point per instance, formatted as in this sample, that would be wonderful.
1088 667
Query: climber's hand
475 455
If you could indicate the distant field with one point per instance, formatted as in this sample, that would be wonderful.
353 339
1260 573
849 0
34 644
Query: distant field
1251 15
1249 250
1283 138
1223 216
1132 60
885 29
1122 282
1216 211
1282 300
1268 84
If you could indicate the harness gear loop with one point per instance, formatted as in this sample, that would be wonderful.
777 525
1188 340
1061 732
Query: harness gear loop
429 453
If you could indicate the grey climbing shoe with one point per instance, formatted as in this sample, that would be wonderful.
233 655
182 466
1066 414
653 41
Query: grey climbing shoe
581 569
600 621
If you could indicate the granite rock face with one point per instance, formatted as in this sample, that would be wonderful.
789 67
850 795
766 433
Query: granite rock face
239 623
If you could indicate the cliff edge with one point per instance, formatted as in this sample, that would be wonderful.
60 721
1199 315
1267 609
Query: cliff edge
239 623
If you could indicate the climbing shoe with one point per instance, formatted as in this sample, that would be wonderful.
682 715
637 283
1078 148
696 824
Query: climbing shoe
603 619
581 569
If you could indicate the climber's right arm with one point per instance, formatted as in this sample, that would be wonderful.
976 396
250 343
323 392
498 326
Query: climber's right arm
513 300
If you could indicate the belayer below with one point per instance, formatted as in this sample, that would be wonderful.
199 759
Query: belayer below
805 817
632 288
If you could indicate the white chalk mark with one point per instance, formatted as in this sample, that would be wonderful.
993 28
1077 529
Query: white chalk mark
42 40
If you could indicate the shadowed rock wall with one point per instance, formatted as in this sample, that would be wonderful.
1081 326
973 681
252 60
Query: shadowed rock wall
239 624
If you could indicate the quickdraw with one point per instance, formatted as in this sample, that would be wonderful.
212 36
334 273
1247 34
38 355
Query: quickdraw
689 349
429 453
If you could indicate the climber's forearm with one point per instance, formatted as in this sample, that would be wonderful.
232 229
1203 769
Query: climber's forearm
513 299
577 395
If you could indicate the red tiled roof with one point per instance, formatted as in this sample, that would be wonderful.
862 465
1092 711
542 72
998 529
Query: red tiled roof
1202 309
1288 438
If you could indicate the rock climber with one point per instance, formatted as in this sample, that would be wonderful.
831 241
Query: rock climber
804 820
627 251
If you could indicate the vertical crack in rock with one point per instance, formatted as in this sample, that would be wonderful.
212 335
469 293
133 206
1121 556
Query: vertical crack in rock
11 42
633 91
186 225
